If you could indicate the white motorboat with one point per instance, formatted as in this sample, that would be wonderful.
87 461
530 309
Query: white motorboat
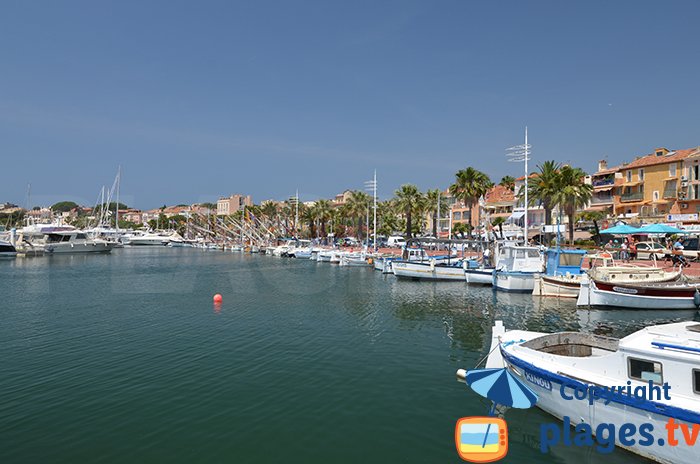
429 270
7 249
325 256
517 267
354 260
74 242
645 381
146 239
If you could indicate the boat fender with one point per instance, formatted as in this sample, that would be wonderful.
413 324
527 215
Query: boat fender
696 298
370 261
432 264
72 245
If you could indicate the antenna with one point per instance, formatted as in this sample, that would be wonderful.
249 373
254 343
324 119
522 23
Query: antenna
518 154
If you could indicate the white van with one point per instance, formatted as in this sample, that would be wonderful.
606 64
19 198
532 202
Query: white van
396 241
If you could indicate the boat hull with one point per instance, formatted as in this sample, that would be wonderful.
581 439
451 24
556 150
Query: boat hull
479 276
75 248
521 282
557 286
603 294
426 271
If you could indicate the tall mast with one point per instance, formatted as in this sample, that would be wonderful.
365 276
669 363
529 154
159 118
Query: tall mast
296 217
437 227
372 185
116 222
375 210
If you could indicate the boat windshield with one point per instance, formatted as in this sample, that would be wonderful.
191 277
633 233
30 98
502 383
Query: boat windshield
574 344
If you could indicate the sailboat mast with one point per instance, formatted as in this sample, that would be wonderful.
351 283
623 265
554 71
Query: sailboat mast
375 210
296 216
116 222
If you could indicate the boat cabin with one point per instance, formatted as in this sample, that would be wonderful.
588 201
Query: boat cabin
564 262
514 258
58 237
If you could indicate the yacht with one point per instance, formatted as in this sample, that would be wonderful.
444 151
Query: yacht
146 239
654 359
74 242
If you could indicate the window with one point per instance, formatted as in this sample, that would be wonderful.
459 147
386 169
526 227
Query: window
696 381
655 195
533 254
641 369
629 176
641 175
642 246
672 170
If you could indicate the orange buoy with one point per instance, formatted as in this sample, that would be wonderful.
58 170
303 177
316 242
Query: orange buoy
218 298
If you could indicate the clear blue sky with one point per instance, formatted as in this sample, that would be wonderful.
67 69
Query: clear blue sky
200 99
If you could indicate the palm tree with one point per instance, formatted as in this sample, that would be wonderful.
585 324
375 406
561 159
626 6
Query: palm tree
470 185
498 222
593 216
543 187
323 210
433 198
508 182
357 206
408 200
572 193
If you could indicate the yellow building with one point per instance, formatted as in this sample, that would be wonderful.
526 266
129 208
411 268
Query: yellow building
650 184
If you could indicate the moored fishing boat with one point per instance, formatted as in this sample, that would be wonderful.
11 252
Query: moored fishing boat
562 275
622 380
516 268
640 295
430 270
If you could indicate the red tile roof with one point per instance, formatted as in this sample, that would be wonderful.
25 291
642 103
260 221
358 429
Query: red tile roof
500 194
652 159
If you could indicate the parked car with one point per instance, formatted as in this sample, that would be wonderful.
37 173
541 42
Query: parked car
648 250
396 241
691 247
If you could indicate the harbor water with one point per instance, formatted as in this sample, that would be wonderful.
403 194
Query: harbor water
123 358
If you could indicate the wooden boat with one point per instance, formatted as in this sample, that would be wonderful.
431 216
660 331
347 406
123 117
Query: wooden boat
562 276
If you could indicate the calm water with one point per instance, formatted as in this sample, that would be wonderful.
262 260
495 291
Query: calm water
123 358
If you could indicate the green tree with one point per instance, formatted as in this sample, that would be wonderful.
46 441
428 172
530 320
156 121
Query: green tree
64 206
433 198
470 185
508 182
572 193
357 208
594 217
408 201
323 212
498 222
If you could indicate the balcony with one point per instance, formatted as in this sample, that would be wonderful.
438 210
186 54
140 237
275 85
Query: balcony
603 182
602 200
636 196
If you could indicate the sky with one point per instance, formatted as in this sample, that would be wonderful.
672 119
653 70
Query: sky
196 100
